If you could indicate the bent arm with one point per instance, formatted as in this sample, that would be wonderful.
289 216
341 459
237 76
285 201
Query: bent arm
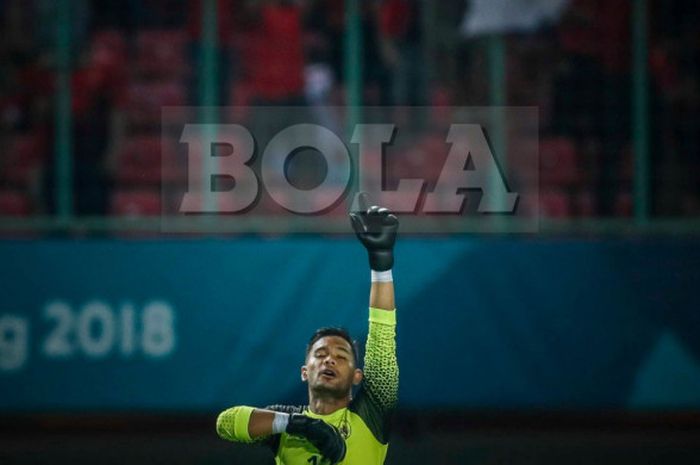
244 424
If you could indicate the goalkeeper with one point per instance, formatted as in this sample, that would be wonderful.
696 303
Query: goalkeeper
336 427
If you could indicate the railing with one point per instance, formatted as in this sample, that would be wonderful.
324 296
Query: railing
66 221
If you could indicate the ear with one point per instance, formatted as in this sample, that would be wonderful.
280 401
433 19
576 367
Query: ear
304 373
357 377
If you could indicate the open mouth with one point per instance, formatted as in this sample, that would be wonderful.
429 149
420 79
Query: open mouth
329 374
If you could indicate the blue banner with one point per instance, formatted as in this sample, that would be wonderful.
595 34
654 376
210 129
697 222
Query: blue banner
483 323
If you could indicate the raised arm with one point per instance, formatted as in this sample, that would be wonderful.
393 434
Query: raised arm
376 228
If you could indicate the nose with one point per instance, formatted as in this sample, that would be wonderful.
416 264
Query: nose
329 360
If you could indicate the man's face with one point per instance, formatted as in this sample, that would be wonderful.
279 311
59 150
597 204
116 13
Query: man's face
330 367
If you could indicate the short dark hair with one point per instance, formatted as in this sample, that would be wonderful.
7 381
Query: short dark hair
333 331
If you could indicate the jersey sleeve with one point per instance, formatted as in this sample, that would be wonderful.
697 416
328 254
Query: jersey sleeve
232 424
377 397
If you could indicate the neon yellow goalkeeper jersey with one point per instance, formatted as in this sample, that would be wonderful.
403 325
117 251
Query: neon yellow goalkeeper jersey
364 424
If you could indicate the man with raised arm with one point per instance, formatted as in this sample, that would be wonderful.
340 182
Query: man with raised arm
337 427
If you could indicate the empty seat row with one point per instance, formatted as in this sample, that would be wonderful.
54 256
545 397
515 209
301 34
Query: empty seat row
157 54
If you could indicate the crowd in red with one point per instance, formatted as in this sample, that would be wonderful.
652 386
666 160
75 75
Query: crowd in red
131 57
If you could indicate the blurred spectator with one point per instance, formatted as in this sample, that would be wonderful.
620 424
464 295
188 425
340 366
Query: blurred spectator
376 75
504 16
115 14
275 53
400 22
592 89
326 22
129 59
26 89
325 28
274 56
675 63
91 106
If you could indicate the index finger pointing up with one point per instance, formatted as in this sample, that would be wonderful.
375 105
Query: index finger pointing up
360 203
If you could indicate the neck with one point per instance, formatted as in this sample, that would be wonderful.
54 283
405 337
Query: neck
323 404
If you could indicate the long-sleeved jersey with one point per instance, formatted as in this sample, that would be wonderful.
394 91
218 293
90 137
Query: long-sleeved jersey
364 423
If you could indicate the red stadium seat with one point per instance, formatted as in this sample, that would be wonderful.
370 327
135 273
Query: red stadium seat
25 154
441 96
148 160
109 50
145 100
520 163
241 94
624 204
14 203
585 204
141 202
240 97
558 162
161 54
626 173
555 204
110 39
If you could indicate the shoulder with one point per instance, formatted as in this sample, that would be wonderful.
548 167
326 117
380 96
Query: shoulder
377 418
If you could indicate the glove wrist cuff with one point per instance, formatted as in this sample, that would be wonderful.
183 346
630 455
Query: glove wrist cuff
280 422
381 276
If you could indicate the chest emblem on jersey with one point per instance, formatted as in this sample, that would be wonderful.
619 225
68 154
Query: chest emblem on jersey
345 429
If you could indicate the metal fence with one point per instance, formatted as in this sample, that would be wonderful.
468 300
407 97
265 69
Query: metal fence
616 85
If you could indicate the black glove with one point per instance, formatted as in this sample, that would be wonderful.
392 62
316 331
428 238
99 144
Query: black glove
376 228
323 436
